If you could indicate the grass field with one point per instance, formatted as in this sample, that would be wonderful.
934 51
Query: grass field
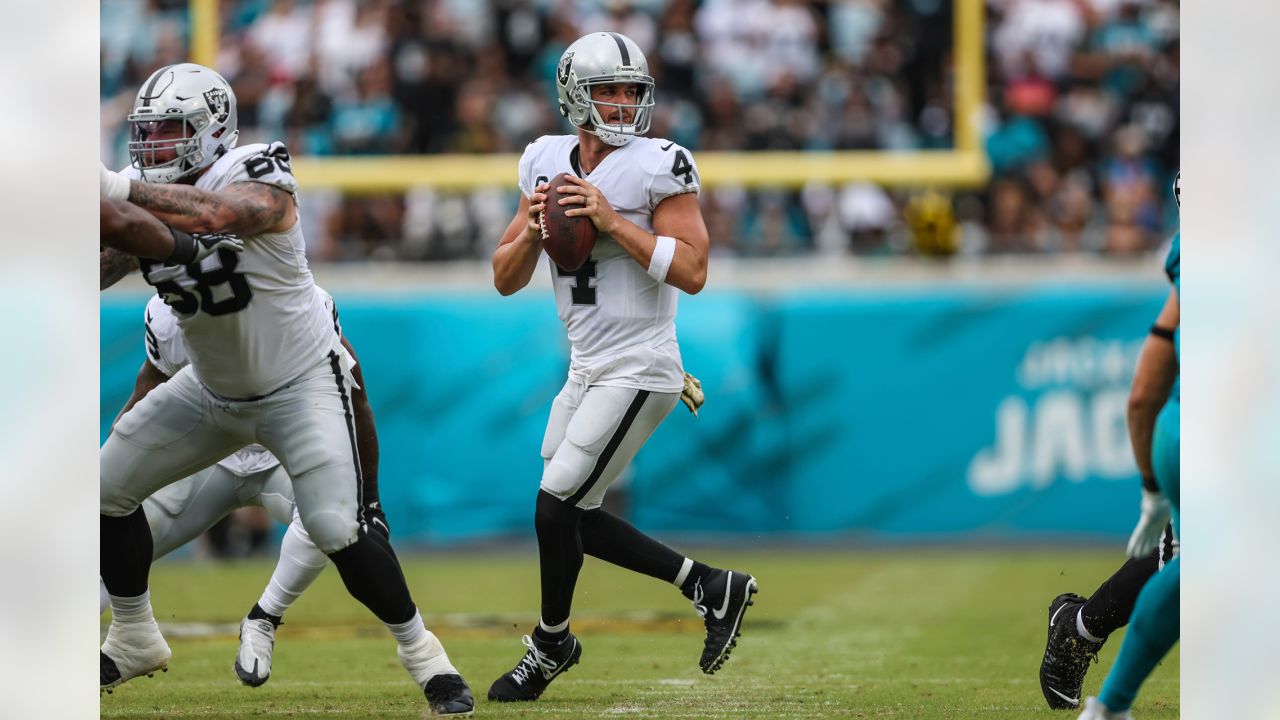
834 634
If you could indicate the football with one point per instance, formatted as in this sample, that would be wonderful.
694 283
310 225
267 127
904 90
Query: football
567 240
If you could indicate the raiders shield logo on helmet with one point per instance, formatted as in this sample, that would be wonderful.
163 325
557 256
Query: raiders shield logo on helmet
562 72
216 99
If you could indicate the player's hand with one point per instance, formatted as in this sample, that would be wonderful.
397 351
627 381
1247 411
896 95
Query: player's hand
533 231
692 395
594 204
112 185
210 243
1155 516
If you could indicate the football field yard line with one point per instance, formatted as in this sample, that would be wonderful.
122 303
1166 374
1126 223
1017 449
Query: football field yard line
918 635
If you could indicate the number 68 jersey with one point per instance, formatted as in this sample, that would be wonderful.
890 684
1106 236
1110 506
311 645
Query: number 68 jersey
252 321
620 321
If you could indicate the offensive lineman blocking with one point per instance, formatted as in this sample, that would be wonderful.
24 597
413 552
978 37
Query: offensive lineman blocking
267 366
180 512
625 372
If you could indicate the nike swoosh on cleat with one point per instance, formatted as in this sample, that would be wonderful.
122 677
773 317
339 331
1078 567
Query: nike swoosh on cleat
1073 701
728 592
1055 617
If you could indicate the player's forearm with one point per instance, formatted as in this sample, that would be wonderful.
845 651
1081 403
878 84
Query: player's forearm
514 263
688 269
1142 423
130 229
1152 380
243 209
114 265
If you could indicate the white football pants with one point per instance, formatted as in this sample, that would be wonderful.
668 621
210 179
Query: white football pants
180 428
593 434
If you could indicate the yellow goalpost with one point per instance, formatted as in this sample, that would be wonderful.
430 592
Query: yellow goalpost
965 165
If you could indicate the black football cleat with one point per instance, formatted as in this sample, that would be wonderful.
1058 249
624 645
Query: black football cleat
448 694
1066 655
722 603
535 671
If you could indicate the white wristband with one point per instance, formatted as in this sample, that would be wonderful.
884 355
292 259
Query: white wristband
664 250
112 185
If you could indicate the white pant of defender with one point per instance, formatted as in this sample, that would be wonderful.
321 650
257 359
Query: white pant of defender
180 428
593 434
182 511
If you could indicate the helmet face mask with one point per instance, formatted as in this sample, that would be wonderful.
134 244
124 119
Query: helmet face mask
605 59
183 119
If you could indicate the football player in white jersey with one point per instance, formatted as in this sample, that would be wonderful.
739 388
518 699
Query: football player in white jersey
625 373
267 366
180 512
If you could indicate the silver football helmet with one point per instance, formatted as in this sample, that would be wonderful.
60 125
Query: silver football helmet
193 109
600 59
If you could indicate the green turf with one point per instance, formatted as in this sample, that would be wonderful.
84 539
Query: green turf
885 634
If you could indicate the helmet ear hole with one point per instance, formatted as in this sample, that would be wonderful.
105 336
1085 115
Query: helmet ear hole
564 109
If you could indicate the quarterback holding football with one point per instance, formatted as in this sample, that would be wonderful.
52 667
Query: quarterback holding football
618 306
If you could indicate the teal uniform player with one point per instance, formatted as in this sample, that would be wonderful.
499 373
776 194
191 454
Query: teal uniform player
1154 625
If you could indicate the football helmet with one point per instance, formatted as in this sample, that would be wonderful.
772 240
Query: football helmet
196 108
599 59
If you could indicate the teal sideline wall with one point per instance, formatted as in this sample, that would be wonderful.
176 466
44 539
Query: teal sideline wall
898 414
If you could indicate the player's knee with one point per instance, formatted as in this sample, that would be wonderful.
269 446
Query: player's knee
561 476
331 531
554 512
114 502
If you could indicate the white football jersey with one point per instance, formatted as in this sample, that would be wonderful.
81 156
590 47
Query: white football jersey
252 321
621 322
168 353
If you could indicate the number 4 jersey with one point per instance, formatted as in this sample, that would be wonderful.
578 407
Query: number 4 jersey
252 321
620 321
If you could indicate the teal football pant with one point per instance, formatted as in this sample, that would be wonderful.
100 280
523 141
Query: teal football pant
1154 626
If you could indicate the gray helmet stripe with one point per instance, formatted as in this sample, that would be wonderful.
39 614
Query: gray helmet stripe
146 94
622 48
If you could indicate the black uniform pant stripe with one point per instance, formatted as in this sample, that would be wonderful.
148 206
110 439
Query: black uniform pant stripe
611 447
351 433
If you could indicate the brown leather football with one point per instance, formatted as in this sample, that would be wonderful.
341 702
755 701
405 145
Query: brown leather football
567 240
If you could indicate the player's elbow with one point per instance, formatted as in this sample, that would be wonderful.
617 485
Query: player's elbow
692 281
1144 400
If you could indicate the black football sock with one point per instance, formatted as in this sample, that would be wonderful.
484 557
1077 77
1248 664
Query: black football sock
372 574
257 613
1109 606
614 540
124 553
560 559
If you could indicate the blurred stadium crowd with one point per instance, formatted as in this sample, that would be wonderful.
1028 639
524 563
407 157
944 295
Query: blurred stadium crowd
1081 122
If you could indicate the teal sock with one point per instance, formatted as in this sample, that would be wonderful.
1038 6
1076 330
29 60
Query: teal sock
1153 630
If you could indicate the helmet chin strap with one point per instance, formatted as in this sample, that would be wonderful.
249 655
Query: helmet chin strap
612 138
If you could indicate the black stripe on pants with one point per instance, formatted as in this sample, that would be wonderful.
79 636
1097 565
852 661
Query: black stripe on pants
611 447
351 434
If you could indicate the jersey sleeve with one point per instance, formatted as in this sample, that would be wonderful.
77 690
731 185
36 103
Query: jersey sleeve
270 164
525 166
674 173
163 339
1173 262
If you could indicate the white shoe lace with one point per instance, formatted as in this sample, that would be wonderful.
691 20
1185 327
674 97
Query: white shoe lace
533 661
698 595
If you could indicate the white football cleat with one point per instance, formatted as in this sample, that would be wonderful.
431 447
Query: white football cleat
1095 710
257 640
131 649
